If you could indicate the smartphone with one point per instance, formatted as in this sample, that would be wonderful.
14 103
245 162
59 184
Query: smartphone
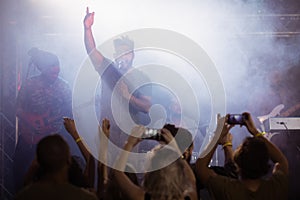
236 119
152 134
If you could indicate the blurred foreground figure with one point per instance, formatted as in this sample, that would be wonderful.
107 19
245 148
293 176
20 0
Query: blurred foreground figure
168 176
53 156
252 159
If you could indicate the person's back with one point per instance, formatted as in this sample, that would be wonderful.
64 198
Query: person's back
252 159
53 156
273 188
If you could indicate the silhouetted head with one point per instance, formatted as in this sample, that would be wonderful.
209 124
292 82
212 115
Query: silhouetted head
252 158
53 153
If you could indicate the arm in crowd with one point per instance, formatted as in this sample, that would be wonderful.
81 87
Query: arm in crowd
127 187
226 143
229 165
89 171
202 164
104 132
275 154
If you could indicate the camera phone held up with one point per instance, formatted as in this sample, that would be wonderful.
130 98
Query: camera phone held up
155 134
152 134
236 119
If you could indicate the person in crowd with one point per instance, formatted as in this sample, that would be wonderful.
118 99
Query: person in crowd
77 175
252 159
42 102
54 158
185 143
112 76
160 182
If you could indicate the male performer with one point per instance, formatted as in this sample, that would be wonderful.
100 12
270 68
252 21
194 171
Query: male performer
137 99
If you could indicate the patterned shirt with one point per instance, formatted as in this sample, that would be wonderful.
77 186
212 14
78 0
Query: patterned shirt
41 106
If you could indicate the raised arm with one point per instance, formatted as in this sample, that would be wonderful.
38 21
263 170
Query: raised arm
104 132
275 154
127 187
226 143
89 171
71 128
202 164
90 45
229 165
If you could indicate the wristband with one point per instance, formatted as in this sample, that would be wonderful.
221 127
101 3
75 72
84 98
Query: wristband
78 140
260 134
227 144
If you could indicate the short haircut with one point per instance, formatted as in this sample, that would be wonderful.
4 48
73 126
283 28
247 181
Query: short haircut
53 153
252 158
124 41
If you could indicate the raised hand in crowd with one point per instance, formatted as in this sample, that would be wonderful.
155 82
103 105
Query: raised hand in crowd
252 159
89 171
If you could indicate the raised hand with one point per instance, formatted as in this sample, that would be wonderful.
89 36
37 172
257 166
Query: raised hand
136 135
88 19
222 126
70 127
249 123
169 139
167 135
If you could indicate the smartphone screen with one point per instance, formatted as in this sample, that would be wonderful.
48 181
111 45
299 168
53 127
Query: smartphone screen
235 119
